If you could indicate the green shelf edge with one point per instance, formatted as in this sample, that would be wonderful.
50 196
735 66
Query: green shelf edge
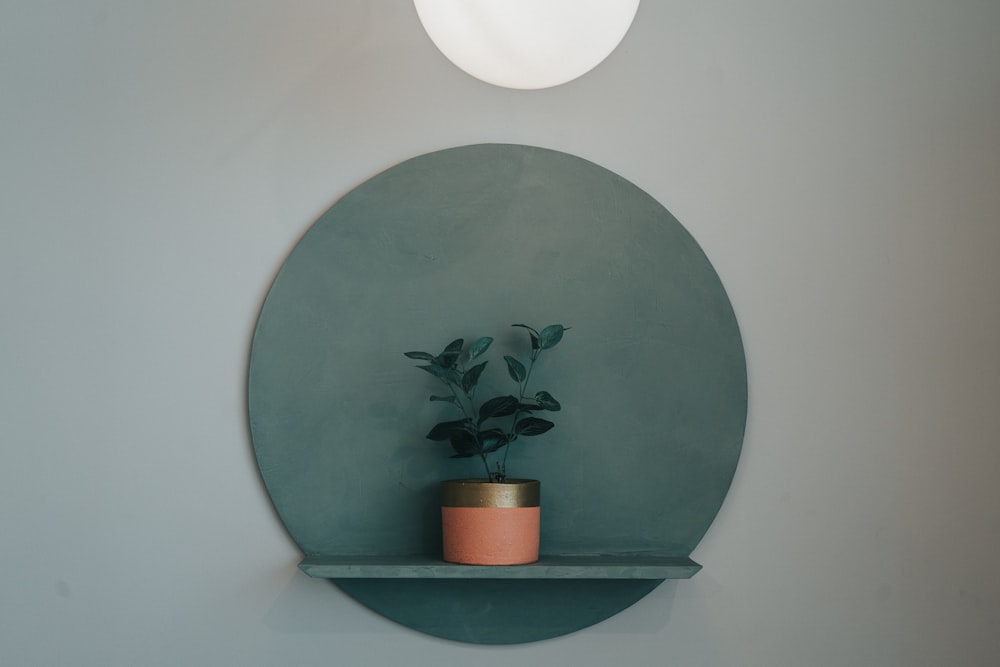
575 566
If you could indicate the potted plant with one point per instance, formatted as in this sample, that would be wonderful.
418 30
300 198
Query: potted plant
494 520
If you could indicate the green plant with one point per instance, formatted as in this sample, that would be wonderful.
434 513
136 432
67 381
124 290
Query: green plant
483 429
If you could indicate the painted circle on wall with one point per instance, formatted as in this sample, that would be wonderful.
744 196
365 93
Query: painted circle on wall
463 243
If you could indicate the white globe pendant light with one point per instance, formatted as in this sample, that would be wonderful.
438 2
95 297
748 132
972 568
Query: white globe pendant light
526 44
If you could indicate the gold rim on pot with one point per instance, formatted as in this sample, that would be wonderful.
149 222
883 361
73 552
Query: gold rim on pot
484 493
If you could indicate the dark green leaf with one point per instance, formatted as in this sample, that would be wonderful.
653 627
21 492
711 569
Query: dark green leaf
532 426
515 368
471 376
551 335
479 347
449 430
424 356
501 406
547 402
450 355
534 335
492 440
464 444
447 374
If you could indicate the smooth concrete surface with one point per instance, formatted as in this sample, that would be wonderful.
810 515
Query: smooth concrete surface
837 161
445 244
593 566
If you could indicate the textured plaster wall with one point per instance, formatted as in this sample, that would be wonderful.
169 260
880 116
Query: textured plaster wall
839 162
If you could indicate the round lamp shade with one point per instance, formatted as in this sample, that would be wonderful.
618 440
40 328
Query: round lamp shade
526 44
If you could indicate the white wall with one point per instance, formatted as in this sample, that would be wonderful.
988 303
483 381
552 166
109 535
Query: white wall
838 161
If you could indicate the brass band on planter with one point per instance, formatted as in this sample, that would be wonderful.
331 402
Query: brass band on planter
483 493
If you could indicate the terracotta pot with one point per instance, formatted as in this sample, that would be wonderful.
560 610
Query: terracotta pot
490 523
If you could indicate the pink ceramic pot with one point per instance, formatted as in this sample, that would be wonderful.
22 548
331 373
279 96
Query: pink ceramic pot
490 523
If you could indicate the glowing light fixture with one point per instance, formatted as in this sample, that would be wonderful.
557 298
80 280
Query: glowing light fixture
526 44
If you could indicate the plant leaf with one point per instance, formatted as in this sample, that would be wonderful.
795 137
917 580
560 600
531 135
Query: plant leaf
501 406
450 355
464 444
471 376
532 426
547 402
551 335
424 356
492 440
450 430
479 347
446 399
515 368
534 335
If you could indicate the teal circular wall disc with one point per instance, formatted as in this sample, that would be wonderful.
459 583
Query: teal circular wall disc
462 243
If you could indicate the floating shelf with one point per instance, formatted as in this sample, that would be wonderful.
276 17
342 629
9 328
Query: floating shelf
597 566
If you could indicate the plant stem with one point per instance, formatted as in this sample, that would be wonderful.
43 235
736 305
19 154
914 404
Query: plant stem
522 388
